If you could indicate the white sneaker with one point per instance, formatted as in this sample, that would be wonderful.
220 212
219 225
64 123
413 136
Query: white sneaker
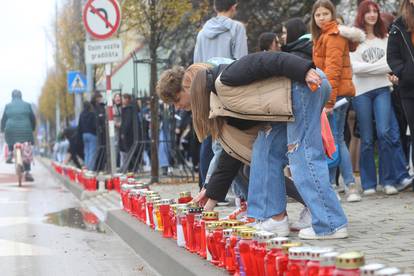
305 220
405 183
353 193
309 234
369 192
390 190
280 228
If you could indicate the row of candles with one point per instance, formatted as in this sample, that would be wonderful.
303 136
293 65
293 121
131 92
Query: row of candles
228 244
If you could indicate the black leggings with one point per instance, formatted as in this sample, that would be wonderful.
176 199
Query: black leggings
408 106
226 171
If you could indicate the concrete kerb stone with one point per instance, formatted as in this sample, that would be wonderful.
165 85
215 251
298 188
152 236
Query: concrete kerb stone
162 254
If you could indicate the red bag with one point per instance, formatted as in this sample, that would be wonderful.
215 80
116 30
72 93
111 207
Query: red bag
327 137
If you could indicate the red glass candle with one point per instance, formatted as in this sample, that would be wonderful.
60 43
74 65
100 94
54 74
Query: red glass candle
327 264
259 250
244 248
213 235
283 259
274 247
185 197
348 264
297 261
165 216
206 216
314 256
190 227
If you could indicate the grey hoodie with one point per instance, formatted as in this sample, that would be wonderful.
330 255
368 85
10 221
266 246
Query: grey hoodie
221 37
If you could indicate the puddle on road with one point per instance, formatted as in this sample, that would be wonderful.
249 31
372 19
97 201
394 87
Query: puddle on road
77 218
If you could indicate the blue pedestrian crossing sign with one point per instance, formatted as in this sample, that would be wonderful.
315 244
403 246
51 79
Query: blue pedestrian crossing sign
76 82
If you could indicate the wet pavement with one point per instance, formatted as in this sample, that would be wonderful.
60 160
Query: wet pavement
45 231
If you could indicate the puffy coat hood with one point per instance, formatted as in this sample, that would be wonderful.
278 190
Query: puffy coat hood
353 34
218 25
301 47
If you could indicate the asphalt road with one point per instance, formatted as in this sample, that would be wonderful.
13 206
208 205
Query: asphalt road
44 231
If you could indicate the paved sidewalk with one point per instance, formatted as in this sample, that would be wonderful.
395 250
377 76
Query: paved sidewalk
380 226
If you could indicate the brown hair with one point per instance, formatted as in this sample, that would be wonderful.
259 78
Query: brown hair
327 4
200 107
379 27
407 14
169 84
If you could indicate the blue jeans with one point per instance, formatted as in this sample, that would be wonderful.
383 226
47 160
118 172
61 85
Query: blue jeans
307 161
89 149
392 162
338 132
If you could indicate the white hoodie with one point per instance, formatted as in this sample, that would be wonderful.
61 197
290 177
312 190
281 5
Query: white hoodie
369 65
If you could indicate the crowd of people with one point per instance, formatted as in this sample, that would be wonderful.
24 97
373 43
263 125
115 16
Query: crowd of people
258 115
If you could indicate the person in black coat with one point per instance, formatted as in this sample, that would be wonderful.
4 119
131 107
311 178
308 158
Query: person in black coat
400 58
126 137
75 150
295 41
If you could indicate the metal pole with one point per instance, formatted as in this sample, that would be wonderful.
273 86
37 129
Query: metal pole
111 158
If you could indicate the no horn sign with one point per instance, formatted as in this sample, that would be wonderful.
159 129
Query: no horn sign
101 18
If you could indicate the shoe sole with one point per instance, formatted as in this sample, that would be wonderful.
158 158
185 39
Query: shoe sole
329 237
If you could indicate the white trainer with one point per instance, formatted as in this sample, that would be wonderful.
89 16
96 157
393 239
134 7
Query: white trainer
390 190
280 228
305 220
353 193
309 234
405 183
369 192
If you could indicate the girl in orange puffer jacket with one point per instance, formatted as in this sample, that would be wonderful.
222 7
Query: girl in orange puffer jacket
331 46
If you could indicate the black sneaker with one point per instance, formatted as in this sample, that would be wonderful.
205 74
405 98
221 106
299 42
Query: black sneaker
9 160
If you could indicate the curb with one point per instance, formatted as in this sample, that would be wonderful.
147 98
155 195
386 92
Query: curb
163 255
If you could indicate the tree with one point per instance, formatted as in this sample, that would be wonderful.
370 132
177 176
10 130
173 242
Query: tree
155 21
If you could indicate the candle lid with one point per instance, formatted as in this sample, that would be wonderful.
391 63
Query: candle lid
370 269
316 253
389 271
286 246
185 194
277 242
350 260
210 215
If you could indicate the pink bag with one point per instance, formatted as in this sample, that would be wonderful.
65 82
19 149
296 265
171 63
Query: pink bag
327 137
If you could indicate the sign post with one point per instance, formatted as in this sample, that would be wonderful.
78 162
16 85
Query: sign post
101 19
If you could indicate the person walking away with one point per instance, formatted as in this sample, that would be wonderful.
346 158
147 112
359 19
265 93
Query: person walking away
221 36
400 58
331 46
18 124
87 131
373 100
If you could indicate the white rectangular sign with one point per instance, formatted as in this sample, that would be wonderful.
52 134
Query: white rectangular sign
104 51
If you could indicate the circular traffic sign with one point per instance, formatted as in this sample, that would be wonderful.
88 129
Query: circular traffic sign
101 18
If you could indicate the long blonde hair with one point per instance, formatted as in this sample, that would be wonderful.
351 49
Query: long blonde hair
327 4
200 107
407 14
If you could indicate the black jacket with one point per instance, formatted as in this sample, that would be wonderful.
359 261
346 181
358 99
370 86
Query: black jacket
87 122
263 65
301 47
259 66
126 131
400 57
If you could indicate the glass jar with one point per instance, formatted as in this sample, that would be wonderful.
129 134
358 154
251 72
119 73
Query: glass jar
348 264
298 258
165 217
274 247
283 259
184 197
327 263
315 254
206 216
182 226
259 250
246 266
192 211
